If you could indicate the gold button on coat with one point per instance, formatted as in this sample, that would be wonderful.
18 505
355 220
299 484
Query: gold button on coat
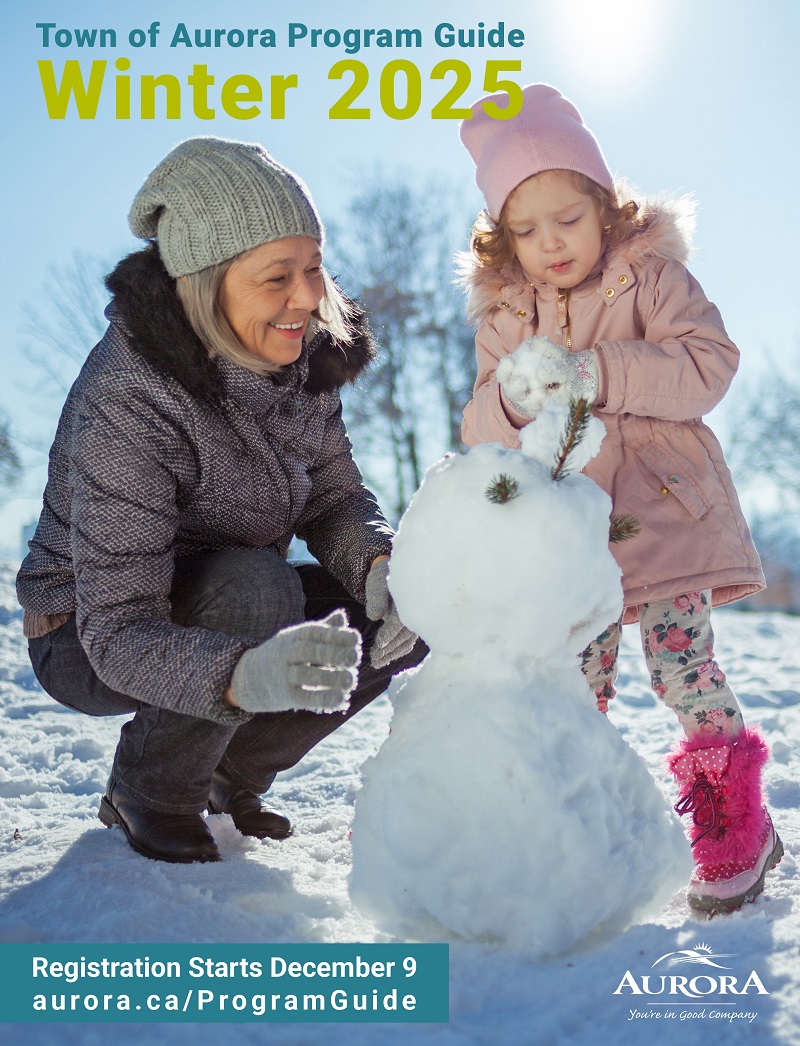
521 313
623 279
610 292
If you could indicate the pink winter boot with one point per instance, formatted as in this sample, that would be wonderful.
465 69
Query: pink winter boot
733 840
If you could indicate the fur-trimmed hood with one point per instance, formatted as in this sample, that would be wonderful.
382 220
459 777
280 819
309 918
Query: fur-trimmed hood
665 231
145 302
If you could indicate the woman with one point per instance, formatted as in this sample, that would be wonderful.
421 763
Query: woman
203 432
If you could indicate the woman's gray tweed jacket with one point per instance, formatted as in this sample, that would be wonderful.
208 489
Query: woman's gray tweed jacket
160 453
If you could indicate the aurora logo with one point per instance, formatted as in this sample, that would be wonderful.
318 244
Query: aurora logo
699 986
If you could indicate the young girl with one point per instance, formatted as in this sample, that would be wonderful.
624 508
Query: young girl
564 253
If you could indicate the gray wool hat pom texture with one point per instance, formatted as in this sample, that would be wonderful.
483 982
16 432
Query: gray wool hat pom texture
213 198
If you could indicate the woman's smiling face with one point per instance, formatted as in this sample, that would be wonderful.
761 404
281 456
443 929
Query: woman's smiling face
268 295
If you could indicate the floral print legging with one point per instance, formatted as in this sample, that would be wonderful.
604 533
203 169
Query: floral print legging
678 645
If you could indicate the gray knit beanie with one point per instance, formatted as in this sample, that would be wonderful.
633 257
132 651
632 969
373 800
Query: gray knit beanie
213 198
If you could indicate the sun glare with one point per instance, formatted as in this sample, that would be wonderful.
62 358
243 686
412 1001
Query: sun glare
609 45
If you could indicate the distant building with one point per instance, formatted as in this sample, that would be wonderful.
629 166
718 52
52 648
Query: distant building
26 533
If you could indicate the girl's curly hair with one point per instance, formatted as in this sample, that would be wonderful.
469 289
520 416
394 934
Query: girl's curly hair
492 244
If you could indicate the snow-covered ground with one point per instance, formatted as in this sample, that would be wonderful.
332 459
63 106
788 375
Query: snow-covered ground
65 878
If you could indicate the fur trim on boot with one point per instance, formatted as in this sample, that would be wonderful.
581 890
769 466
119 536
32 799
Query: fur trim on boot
733 840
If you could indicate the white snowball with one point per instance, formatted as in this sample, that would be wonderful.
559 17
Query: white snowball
501 811
467 574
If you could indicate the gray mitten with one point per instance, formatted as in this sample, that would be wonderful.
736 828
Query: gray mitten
539 371
309 666
393 640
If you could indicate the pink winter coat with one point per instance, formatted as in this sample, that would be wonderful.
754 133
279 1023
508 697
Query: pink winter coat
664 361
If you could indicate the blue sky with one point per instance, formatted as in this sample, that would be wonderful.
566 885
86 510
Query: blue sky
684 96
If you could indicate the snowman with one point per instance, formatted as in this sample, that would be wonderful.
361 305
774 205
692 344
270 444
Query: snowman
503 807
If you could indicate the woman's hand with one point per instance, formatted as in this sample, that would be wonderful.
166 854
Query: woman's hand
393 640
311 666
539 371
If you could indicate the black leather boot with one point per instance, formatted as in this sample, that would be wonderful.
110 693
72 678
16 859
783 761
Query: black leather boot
180 838
249 815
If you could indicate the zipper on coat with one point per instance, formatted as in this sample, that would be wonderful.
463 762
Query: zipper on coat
564 322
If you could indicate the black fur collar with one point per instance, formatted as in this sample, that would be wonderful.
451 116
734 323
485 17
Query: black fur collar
145 301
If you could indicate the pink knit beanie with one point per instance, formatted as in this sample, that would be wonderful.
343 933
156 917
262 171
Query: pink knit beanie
547 134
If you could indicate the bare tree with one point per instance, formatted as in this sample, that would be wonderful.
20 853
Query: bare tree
765 439
450 342
66 321
9 459
763 449
395 253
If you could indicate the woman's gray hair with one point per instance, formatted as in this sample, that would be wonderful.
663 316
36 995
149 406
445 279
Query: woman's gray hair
200 294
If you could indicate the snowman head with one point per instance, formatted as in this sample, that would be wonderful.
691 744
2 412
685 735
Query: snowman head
495 555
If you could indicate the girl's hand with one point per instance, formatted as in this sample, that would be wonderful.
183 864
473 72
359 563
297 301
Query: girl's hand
539 371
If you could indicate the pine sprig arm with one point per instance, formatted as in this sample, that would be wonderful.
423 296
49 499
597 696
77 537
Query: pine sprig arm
622 527
577 423
503 488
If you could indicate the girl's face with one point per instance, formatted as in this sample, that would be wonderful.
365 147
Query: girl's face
555 230
268 295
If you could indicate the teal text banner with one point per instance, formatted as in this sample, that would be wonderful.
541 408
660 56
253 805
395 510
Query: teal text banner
335 983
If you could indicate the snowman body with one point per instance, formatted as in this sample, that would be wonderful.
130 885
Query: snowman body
502 806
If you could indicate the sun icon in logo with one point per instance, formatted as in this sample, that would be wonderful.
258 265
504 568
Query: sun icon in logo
702 954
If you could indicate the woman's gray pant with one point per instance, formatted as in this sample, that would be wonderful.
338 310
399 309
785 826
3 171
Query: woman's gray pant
166 759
